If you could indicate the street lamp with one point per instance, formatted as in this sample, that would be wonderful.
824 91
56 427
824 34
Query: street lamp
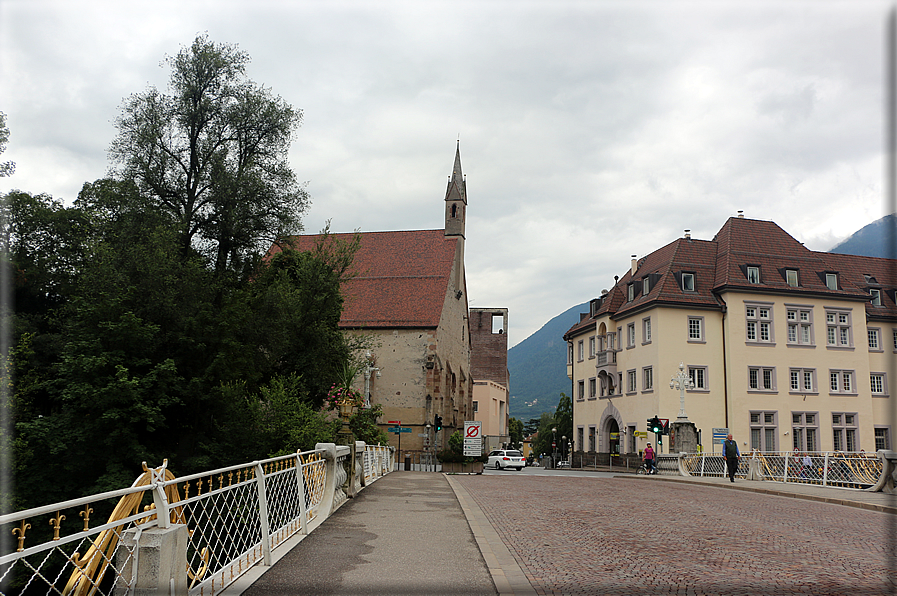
368 369
428 441
554 447
564 447
682 381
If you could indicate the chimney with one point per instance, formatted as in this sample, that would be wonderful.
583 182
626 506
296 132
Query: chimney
634 265
740 214
688 234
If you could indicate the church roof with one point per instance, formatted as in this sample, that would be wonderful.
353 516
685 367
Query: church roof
401 278
457 185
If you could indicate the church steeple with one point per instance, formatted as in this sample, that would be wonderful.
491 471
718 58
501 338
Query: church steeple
456 199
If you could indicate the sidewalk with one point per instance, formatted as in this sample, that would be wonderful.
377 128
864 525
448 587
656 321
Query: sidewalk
404 534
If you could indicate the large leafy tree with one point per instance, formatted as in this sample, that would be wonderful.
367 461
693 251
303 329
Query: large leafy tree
211 152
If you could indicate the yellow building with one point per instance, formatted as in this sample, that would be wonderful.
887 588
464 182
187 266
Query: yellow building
786 347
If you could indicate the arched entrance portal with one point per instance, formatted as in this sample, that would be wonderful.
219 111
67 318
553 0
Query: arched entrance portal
613 433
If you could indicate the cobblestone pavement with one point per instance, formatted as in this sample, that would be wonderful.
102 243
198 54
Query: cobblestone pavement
619 536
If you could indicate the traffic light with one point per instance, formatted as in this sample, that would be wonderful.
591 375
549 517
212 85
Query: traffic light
654 425
437 423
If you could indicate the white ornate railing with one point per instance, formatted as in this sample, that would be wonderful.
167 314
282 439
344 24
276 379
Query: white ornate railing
835 469
215 526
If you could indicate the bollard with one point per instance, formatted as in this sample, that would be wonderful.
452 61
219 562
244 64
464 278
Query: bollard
407 462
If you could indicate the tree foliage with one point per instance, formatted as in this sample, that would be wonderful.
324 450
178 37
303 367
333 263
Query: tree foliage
140 330
7 168
212 154
515 430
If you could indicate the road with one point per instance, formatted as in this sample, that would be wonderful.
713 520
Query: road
604 535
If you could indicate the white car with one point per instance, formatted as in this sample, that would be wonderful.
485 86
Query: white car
506 458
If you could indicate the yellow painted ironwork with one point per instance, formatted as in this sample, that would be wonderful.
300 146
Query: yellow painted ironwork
86 516
203 569
90 568
21 532
55 523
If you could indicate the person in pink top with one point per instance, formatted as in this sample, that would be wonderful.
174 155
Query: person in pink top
649 459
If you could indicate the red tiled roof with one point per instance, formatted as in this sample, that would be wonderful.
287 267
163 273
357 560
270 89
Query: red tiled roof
720 265
401 277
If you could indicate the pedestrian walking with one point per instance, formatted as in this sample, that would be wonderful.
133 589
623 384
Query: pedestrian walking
730 452
649 459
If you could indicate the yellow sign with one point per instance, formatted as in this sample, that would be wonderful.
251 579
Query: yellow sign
614 436
641 433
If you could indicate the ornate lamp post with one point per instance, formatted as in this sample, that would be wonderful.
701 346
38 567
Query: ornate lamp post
346 405
682 382
554 446
368 369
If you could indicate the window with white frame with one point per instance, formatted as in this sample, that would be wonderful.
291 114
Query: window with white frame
630 381
592 439
764 427
841 381
688 282
844 431
592 387
894 332
569 353
805 430
758 318
695 328
476 406
800 325
802 380
648 376
874 339
646 330
878 384
631 291
753 274
875 296
698 376
646 285
582 390
761 378
882 438
838 332
630 335
580 350
831 281
791 277
591 347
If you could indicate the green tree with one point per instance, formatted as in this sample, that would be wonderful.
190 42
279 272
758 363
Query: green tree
563 417
7 168
515 430
212 153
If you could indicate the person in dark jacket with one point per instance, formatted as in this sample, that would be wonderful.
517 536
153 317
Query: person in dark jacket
730 452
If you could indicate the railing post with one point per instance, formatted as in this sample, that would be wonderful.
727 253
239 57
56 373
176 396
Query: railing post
703 459
825 470
263 514
300 490
785 473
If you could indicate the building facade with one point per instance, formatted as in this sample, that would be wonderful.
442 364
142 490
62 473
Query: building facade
786 347
491 379
409 295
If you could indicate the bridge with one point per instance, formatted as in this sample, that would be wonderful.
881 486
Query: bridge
218 532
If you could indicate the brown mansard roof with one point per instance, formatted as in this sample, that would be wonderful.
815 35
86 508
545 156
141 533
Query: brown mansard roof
402 277
721 265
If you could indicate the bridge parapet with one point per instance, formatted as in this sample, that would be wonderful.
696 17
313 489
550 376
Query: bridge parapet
208 528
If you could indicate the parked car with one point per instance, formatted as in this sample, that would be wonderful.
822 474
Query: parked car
506 458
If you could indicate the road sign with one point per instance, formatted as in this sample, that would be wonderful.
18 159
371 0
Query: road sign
405 429
640 433
424 435
473 441
719 435
396 422
398 429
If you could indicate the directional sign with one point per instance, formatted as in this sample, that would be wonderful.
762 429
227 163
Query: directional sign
398 429
396 422
719 435
405 429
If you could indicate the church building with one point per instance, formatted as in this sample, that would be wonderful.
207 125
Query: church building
410 294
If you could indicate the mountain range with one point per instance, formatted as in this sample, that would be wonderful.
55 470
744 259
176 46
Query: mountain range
538 364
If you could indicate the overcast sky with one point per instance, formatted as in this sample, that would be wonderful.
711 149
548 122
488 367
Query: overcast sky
589 131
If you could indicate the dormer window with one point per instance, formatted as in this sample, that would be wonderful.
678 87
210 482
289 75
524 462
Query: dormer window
831 281
688 282
631 292
791 277
876 296
753 274
646 285
869 279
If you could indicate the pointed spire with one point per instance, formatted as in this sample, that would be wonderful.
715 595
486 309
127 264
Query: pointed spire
457 186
